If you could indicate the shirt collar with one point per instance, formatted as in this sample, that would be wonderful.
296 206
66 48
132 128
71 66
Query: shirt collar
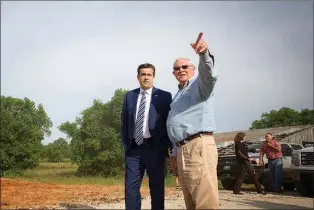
187 83
148 91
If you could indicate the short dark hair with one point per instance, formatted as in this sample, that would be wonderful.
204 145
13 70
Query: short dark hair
269 134
146 65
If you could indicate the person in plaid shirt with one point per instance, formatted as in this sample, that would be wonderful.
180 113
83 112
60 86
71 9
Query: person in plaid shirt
272 149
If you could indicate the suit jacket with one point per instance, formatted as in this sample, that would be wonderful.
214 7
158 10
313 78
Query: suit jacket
158 114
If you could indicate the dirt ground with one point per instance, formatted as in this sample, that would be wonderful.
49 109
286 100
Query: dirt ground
35 195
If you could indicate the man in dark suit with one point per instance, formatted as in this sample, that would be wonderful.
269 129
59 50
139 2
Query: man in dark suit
145 139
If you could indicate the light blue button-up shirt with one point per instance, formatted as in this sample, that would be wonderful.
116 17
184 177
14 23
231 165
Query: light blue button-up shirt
192 108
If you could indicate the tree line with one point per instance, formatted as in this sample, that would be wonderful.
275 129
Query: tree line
92 140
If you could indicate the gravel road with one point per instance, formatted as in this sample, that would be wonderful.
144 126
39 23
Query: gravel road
250 200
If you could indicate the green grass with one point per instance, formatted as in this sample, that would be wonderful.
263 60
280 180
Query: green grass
61 173
64 173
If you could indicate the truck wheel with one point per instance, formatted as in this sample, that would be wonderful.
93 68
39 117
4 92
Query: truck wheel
267 181
228 184
304 188
288 186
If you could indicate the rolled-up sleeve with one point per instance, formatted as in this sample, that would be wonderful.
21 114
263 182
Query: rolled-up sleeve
207 74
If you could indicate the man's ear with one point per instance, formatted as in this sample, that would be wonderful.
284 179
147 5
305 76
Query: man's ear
173 73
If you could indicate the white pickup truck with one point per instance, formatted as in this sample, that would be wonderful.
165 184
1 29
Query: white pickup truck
287 148
227 167
302 166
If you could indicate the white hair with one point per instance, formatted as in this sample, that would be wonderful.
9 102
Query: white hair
187 59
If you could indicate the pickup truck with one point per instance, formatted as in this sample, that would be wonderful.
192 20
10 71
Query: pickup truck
227 170
302 166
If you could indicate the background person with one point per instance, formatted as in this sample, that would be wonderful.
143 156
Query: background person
272 149
244 165
190 127
145 140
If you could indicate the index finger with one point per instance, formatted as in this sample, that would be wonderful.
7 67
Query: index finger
199 38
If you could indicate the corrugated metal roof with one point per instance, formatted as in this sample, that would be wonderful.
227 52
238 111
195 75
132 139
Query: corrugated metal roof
259 134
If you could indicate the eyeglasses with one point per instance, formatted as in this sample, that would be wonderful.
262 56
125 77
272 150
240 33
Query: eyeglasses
177 68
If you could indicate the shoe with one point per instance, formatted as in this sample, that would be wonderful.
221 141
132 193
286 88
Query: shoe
262 192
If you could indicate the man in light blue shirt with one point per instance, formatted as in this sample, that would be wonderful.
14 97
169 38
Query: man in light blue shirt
190 127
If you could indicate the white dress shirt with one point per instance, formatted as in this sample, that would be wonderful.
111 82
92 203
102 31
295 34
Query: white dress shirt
146 133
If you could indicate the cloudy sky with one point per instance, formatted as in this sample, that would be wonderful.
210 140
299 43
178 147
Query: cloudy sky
65 54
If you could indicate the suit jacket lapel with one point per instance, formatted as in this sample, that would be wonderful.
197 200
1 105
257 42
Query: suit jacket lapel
153 96
134 102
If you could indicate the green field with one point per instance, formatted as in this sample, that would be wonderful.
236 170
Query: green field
64 173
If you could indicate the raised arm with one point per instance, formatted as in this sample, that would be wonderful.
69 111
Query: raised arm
207 74
207 71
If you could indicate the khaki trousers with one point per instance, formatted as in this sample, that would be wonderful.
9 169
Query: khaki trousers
197 169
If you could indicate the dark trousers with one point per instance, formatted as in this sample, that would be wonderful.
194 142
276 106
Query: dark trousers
243 168
137 160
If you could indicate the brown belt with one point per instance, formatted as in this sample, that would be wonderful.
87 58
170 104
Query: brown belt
194 136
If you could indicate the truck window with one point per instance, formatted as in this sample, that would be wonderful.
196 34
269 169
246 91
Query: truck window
285 149
296 146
